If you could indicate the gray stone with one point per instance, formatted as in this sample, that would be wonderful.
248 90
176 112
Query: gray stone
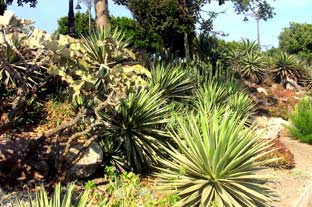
269 127
88 163
292 85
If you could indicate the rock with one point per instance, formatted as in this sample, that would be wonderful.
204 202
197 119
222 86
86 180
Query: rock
269 128
292 85
262 90
89 162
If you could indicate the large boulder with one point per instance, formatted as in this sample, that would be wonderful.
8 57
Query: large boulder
269 127
89 162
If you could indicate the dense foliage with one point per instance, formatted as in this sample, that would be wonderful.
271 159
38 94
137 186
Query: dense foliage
297 39
301 120
166 18
140 39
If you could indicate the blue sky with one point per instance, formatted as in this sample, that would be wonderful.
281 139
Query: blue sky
48 11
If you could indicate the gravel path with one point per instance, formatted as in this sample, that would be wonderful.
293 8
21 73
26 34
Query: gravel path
291 184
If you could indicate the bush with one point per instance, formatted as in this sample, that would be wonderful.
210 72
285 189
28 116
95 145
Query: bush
215 162
301 120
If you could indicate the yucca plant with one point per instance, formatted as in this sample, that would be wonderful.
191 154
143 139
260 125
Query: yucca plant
241 103
139 127
58 199
213 163
172 80
286 66
217 94
104 46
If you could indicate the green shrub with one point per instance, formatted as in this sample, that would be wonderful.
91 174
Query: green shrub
301 120
214 163
127 190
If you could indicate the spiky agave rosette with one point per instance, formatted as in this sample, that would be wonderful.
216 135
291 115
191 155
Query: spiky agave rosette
215 163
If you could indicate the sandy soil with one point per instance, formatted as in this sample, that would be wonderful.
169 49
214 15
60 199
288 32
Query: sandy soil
290 184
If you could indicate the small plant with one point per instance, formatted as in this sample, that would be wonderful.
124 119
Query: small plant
127 190
214 162
281 156
57 112
59 199
301 120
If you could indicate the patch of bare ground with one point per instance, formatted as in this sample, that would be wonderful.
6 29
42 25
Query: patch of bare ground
290 185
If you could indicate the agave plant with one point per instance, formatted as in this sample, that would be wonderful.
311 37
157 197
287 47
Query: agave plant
307 80
214 162
58 199
286 66
18 67
139 127
249 46
172 80
206 46
252 67
247 60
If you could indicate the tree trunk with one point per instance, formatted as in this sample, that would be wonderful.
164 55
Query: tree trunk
186 47
101 12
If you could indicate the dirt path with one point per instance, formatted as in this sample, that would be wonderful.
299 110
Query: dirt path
291 184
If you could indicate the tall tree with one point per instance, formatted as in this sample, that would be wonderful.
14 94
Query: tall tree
3 7
297 39
174 20
101 12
